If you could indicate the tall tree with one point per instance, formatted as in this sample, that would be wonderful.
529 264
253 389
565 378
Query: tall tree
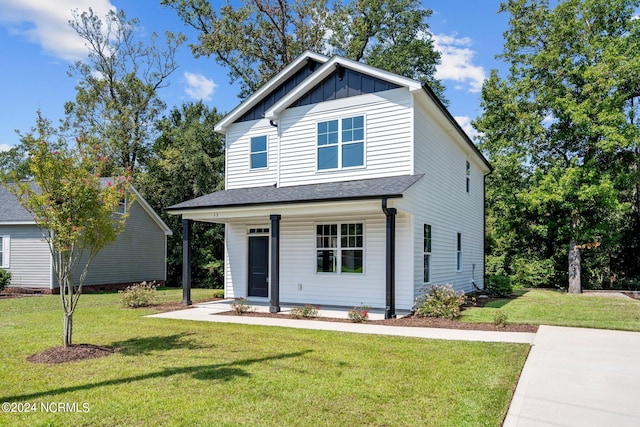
117 94
188 163
257 38
71 206
561 130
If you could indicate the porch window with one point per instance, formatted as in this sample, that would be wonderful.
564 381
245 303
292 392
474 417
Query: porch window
340 248
427 253
259 152
459 253
341 143
4 251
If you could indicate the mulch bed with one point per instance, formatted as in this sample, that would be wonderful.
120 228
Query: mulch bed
412 321
71 354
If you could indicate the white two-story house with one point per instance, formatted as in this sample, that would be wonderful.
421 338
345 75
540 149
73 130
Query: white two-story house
345 185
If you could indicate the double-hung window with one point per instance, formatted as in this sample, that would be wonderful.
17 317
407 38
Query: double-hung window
427 253
341 143
468 176
459 252
4 251
259 152
340 248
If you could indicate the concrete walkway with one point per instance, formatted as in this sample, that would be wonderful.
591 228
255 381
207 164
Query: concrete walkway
572 376
579 377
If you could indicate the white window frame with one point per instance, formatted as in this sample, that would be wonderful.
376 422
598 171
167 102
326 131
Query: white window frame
459 255
338 249
266 152
468 176
5 260
340 144
426 243
122 206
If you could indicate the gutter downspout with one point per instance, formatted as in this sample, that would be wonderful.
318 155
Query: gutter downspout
390 279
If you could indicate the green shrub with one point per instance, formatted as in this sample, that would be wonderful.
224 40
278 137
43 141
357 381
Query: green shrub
307 311
359 314
5 278
531 272
440 301
499 285
139 295
240 306
218 293
500 319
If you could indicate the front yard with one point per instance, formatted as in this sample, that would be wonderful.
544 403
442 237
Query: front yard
171 372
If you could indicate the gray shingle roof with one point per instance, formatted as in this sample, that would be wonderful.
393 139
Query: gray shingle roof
347 190
10 209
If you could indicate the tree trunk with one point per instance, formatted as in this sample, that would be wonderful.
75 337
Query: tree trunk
574 268
68 328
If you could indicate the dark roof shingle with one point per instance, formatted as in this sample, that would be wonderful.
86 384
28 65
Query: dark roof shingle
372 188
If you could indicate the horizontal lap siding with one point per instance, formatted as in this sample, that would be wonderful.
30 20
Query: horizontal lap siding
387 140
30 259
440 199
298 264
238 169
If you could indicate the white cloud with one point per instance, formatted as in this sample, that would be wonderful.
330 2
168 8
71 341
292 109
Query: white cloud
465 124
47 23
199 87
4 147
457 62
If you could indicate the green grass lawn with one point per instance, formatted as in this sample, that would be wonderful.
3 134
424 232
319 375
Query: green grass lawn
172 372
547 307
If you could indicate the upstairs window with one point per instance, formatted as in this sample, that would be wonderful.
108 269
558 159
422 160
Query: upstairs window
259 152
468 176
341 143
4 251
427 253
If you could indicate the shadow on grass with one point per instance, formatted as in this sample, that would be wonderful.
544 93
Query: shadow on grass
146 345
219 372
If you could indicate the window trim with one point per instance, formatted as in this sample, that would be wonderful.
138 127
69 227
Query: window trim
459 253
265 152
340 144
468 176
5 260
339 248
123 204
426 270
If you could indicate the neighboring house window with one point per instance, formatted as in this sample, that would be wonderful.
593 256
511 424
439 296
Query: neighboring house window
427 253
122 206
259 152
459 253
340 248
468 176
4 251
341 143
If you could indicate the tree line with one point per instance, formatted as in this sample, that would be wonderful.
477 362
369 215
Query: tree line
560 128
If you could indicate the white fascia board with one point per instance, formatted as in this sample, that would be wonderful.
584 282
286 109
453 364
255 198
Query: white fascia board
258 95
326 69
224 215
18 223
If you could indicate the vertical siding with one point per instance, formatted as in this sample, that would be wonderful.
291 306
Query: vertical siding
138 253
238 172
440 199
299 282
30 259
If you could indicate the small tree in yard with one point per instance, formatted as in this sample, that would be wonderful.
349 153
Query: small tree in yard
74 209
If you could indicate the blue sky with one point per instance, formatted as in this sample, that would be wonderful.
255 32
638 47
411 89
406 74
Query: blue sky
37 47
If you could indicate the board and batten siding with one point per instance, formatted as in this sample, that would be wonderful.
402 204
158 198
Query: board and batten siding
30 258
441 200
138 254
299 281
238 172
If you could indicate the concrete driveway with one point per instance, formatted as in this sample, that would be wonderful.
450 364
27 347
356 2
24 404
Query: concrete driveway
579 377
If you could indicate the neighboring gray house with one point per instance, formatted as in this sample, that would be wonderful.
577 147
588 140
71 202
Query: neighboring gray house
138 254
345 185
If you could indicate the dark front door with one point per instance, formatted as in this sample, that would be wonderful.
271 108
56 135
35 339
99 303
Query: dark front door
258 266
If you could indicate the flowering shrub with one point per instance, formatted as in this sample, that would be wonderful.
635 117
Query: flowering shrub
359 314
138 295
440 301
240 306
307 311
